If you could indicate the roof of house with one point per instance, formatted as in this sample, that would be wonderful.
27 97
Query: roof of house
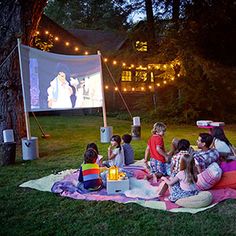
101 40
95 39
46 24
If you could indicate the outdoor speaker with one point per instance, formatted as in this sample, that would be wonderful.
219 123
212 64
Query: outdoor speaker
8 136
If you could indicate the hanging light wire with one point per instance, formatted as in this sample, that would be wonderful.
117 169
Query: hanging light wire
118 91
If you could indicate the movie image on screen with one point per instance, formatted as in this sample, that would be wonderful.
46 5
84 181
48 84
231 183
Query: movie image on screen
58 82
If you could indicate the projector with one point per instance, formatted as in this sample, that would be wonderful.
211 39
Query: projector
204 122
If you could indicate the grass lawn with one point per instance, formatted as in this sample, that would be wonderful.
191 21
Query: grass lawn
30 212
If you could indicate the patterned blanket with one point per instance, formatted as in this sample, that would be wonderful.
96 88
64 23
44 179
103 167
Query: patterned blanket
141 191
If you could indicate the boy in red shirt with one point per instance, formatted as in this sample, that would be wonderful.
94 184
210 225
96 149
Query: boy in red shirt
156 149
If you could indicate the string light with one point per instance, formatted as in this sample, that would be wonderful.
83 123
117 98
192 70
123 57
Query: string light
167 75
115 62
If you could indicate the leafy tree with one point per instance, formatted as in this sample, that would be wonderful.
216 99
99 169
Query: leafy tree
92 14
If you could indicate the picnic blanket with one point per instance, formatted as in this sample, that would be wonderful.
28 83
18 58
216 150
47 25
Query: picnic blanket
141 191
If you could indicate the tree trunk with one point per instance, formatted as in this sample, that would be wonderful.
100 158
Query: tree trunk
16 18
150 25
176 11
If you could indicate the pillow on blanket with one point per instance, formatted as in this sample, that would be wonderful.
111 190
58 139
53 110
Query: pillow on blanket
209 177
228 180
203 199
228 166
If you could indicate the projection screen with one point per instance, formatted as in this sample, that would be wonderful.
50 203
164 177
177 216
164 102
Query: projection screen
58 82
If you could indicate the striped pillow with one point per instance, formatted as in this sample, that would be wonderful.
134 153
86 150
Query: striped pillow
209 177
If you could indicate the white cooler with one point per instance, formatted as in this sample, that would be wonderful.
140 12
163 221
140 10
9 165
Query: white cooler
117 186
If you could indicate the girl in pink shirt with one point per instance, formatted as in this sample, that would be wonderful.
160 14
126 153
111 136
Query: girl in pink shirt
184 183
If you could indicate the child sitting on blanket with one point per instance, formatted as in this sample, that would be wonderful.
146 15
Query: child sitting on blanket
183 147
115 153
94 146
184 183
89 177
128 150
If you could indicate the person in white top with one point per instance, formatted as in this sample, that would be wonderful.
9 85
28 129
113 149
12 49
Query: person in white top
221 143
115 153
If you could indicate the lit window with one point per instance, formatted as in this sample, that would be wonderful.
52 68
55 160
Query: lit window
140 76
141 46
126 75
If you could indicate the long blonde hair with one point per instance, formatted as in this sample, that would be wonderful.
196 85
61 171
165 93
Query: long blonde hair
188 165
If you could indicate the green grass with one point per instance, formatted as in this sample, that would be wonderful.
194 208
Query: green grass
29 212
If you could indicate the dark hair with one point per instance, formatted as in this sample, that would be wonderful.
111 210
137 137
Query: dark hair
188 165
90 156
218 133
117 139
93 146
127 138
183 145
206 138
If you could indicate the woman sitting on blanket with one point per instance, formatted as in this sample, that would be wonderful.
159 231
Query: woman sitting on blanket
89 178
184 183
222 144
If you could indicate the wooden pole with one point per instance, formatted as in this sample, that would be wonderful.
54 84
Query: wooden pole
27 123
103 97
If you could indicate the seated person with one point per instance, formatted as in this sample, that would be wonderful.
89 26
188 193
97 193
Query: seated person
221 143
89 178
128 150
206 155
115 153
182 148
184 183
95 147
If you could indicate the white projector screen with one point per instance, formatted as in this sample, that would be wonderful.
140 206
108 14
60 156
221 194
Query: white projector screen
58 82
